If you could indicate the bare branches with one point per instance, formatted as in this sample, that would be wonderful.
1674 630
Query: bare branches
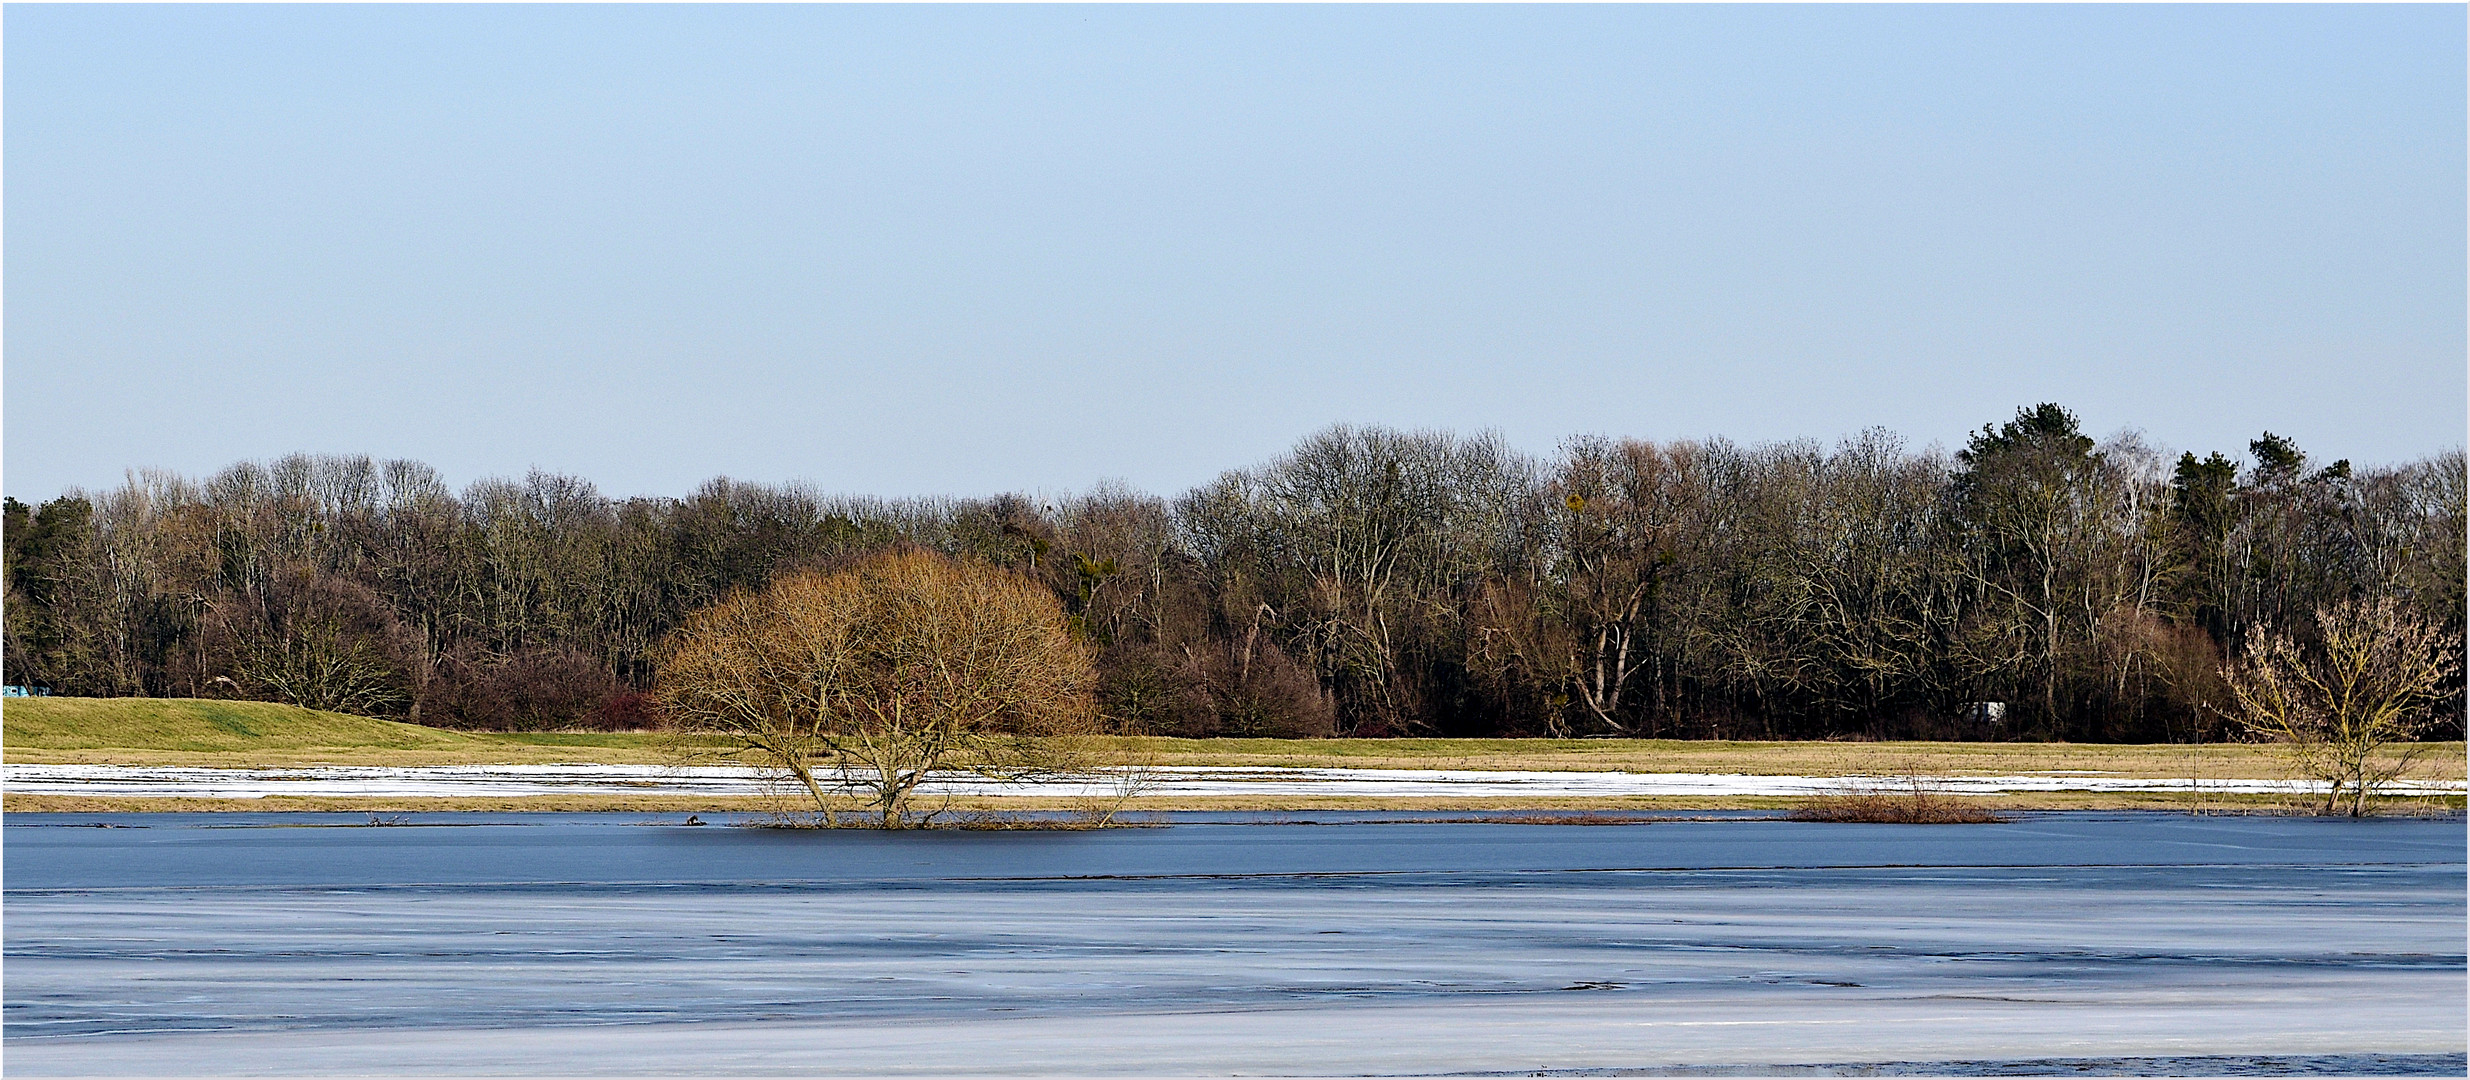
2364 683
1371 581
880 674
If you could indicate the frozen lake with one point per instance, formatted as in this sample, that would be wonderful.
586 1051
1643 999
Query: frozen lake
1352 944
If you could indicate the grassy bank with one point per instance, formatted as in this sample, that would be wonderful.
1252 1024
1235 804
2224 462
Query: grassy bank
192 731
1811 758
152 731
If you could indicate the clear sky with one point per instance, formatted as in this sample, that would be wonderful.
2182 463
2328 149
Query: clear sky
931 250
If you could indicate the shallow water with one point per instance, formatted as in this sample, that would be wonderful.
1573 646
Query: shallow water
627 944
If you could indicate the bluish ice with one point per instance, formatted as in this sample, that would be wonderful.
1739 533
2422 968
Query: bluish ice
1328 944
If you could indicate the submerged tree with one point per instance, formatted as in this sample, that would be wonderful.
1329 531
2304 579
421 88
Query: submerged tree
2366 682
876 675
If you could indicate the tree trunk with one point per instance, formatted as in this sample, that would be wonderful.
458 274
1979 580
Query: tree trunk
807 777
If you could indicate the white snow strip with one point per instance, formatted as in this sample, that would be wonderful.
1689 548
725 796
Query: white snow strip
594 779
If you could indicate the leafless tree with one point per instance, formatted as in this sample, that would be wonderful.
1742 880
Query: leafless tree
1370 582
880 674
2364 683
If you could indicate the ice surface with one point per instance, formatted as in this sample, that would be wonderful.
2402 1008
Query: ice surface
608 944
596 779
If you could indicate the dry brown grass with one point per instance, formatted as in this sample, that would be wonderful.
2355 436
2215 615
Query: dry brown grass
1909 801
247 734
2439 761
1807 758
143 731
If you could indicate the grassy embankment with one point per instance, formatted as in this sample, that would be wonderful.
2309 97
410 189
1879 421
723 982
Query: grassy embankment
232 734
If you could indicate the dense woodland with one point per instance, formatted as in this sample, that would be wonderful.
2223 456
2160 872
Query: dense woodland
1370 582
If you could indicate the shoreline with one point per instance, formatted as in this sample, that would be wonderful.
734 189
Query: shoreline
604 787
2090 802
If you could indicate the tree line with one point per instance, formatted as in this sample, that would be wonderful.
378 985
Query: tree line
1369 582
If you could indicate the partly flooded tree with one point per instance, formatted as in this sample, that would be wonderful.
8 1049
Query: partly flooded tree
2367 681
875 676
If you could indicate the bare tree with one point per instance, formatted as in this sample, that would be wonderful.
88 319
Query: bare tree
1366 542
2364 683
1613 557
879 674
1369 581
319 642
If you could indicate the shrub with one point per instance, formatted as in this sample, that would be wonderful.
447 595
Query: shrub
534 690
1252 690
879 674
1906 801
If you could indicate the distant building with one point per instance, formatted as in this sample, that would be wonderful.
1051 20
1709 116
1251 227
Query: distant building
25 691
1986 712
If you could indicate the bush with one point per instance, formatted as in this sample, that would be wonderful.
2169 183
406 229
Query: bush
877 675
534 690
627 710
1256 692
315 641
1909 801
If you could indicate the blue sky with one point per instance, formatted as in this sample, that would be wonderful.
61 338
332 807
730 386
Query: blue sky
914 250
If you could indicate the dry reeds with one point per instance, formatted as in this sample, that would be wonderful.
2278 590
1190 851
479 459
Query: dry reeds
1909 800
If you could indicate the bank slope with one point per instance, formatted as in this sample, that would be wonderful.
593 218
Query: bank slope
197 725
